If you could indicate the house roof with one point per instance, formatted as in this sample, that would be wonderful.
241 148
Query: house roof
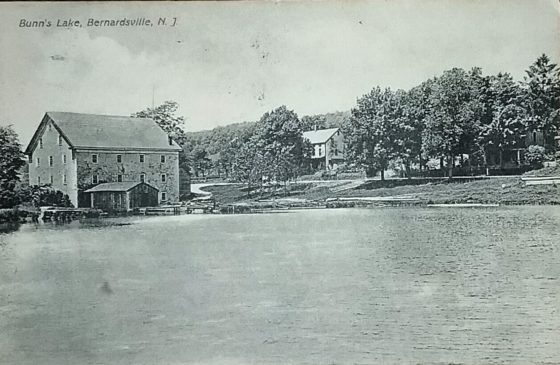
320 135
96 131
116 186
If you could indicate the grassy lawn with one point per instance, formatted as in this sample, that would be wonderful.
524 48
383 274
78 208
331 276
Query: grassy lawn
497 190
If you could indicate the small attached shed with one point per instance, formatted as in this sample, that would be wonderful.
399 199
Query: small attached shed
123 196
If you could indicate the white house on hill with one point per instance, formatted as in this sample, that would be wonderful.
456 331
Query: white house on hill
328 148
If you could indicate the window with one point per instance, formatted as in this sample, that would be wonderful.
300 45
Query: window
119 158
50 161
40 142
94 179
38 161
162 158
336 151
38 180
320 151
64 179
163 196
63 158
534 136
141 158
50 126
119 178
51 180
94 158
163 177
59 140
142 177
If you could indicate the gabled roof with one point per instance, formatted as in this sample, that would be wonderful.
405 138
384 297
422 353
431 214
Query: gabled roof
96 131
116 186
320 135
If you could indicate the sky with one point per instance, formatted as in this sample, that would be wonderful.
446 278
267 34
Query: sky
227 62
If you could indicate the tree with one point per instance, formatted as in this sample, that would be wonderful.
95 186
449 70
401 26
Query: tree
451 117
408 126
506 125
165 116
313 122
228 149
11 161
249 165
201 161
542 88
370 135
279 139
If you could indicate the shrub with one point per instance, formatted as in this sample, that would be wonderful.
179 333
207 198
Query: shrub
9 215
535 155
43 195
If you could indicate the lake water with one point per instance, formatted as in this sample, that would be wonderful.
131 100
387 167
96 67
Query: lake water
348 286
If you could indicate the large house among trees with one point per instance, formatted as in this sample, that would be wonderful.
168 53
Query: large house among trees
75 152
328 148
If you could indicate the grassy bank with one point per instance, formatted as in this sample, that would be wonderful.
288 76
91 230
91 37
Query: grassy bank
488 191
496 190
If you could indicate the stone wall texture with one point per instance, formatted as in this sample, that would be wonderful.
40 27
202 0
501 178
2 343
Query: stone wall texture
130 168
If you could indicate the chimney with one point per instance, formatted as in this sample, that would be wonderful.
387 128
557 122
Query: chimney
315 127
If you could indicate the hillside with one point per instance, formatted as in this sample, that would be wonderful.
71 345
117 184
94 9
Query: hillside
214 140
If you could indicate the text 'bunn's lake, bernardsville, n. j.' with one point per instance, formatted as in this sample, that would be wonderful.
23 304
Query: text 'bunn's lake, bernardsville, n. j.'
93 22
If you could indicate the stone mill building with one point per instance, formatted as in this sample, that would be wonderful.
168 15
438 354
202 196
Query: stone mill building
76 152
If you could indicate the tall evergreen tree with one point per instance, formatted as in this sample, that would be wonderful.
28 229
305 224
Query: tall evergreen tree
542 88
11 161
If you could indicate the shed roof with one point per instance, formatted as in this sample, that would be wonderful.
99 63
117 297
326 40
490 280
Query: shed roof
116 186
107 132
320 135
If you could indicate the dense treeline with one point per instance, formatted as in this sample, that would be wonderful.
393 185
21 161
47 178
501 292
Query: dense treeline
212 151
461 118
459 114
